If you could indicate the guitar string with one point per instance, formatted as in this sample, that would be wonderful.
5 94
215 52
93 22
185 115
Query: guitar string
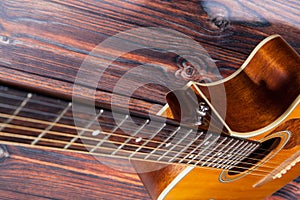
145 147
251 172
115 142
16 127
54 105
65 117
125 157
123 128
149 140
94 139
16 97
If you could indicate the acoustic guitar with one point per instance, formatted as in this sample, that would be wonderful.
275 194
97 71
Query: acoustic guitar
195 149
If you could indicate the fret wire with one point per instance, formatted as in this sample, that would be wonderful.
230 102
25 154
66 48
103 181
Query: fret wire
189 154
220 151
163 143
243 156
33 100
17 111
208 146
106 154
57 124
71 118
63 125
235 156
68 135
147 141
44 139
213 151
82 132
63 142
130 138
114 156
186 147
51 141
53 105
201 144
251 149
40 130
224 154
110 134
43 122
230 155
31 111
236 159
175 145
52 124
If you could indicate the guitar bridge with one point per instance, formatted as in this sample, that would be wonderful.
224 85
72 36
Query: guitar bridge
279 171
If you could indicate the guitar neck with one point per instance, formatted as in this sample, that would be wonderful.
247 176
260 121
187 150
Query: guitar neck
34 120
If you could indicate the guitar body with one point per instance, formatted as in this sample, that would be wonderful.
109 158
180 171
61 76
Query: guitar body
263 105
44 43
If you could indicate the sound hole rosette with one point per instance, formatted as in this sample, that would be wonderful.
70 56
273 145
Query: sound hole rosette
278 140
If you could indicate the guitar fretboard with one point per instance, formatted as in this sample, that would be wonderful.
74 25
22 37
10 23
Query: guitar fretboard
39 121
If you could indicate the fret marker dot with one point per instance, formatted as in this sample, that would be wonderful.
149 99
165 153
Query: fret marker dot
191 156
95 133
168 144
139 139
206 143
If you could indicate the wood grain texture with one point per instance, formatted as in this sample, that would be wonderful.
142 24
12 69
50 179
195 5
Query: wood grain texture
257 91
252 92
36 174
54 38
43 44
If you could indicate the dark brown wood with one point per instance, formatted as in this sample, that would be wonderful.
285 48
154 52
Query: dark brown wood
37 174
254 101
43 43
291 125
54 38
255 95
157 180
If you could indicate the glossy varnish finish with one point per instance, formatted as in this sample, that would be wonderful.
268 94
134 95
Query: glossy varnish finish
43 44
268 85
204 183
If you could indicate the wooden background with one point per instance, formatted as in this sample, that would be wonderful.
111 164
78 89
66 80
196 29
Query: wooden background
44 42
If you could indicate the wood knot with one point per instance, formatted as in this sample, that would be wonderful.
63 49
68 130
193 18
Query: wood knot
186 69
220 22
191 70
3 153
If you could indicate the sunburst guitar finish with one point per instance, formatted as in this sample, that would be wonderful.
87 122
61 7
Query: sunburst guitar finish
262 103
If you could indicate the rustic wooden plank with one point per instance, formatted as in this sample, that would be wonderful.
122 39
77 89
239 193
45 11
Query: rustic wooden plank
194 18
48 86
37 174
44 42
15 195
56 36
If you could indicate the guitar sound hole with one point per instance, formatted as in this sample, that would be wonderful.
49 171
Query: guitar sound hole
253 159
